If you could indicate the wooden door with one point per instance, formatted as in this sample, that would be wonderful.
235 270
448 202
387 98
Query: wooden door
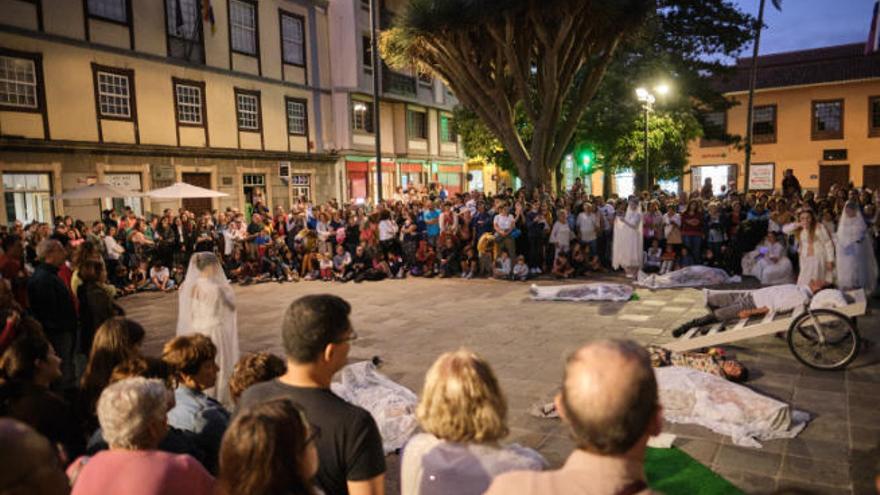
357 185
198 205
871 177
832 174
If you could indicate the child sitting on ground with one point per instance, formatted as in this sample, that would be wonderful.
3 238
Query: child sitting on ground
685 259
395 264
652 257
521 269
667 260
140 277
469 263
342 264
561 266
326 267
486 254
593 262
502 265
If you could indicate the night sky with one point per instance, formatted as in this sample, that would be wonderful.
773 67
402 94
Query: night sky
811 23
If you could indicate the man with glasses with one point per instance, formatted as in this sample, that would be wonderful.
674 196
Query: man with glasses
317 336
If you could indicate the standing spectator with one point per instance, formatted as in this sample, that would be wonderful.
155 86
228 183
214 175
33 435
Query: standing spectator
269 449
611 417
536 231
95 304
431 217
672 227
114 253
589 227
707 192
692 229
132 415
504 224
561 235
52 305
12 269
791 187
463 413
317 335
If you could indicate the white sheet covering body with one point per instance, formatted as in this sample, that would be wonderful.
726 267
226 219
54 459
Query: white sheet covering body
691 396
689 276
582 292
391 404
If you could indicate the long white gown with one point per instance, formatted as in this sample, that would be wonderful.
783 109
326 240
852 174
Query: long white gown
813 255
207 306
627 247
758 264
856 264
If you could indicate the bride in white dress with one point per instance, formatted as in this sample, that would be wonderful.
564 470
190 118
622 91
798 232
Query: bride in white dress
856 265
207 306
627 246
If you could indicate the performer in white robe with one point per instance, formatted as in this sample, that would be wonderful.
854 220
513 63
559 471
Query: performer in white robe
815 248
627 249
207 306
769 263
856 264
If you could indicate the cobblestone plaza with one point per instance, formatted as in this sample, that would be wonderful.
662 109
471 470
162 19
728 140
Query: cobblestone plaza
409 323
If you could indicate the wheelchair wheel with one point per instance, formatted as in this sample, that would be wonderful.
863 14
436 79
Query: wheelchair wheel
824 339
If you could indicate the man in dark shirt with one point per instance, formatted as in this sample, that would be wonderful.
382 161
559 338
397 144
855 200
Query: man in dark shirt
52 305
791 187
317 337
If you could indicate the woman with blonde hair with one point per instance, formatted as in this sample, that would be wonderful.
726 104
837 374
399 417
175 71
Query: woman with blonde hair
463 413
816 250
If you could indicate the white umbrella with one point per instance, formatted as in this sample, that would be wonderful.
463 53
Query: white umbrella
98 190
183 190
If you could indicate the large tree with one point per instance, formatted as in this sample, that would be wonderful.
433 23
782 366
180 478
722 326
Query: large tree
543 58
684 42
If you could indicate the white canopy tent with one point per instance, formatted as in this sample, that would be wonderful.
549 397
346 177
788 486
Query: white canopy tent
181 190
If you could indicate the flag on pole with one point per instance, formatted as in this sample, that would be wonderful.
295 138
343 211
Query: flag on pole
208 14
873 44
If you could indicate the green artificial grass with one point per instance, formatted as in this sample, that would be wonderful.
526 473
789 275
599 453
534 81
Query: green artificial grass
673 472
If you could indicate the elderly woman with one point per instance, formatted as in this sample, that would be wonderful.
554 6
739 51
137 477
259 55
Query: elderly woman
132 414
463 413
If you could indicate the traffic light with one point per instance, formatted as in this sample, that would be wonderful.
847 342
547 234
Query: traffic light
586 160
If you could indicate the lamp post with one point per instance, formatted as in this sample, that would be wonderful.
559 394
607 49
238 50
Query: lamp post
377 87
648 98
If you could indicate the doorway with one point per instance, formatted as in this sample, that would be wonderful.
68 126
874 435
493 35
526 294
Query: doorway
871 177
830 175
197 205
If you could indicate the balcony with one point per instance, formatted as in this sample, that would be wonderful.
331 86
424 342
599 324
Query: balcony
398 84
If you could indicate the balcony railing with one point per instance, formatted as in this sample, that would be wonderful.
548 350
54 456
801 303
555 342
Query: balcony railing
397 83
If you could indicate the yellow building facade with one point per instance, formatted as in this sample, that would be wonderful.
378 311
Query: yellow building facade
817 112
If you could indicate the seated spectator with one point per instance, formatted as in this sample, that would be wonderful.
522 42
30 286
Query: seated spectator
132 414
325 262
30 463
464 415
317 335
27 368
425 260
685 259
192 357
668 260
160 277
653 257
611 415
342 264
254 368
469 263
117 340
561 267
521 270
395 265
269 449
450 262
139 278
503 268
486 254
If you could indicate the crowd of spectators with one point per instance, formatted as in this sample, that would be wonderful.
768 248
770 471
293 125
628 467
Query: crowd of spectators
122 422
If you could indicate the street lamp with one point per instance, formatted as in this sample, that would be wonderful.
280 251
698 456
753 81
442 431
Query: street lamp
648 98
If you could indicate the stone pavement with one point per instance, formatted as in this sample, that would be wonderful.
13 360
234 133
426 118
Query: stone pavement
409 323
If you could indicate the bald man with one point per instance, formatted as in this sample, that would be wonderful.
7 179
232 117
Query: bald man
30 464
609 401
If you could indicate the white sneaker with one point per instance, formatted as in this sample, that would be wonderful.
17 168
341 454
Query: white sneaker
538 271
464 275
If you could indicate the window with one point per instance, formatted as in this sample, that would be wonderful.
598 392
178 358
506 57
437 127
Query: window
247 104
28 197
18 83
362 116
425 78
243 26
302 186
189 104
828 119
447 133
764 124
874 116
184 30
366 52
130 182
297 119
112 10
417 124
714 128
293 46
114 94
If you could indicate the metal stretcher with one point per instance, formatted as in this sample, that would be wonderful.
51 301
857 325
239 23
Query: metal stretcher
826 339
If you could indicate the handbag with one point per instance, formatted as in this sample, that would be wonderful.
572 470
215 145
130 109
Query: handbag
515 233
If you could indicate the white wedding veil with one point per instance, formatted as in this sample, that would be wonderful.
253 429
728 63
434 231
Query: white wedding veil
203 267
856 264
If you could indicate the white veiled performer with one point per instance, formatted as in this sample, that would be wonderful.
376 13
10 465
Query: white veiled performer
207 306
627 251
856 264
